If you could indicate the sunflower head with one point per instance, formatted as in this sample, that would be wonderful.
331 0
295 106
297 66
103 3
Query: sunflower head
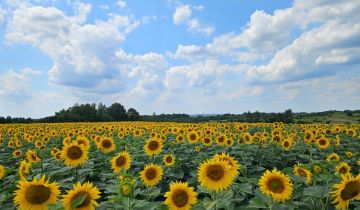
122 160
216 174
153 147
277 185
317 168
37 194
343 168
151 175
333 157
323 142
303 172
345 191
193 137
74 154
106 145
180 196
17 153
126 189
169 160
32 156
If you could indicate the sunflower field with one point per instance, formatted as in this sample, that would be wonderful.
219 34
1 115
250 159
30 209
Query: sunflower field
179 166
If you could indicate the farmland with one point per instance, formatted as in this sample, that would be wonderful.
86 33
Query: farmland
148 165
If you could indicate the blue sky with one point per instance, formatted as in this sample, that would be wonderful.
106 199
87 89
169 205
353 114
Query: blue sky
170 56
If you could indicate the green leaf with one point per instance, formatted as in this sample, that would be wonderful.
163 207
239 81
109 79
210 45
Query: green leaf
317 191
257 203
78 201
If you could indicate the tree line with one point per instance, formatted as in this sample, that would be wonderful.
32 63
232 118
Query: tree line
117 112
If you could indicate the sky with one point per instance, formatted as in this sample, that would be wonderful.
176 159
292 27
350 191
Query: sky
177 56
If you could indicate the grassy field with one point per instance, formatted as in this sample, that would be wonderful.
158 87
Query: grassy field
334 118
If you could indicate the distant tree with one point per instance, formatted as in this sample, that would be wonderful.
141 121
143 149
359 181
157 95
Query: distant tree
117 111
133 115
288 116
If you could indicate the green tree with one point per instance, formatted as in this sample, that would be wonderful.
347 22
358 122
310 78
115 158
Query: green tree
117 111
133 115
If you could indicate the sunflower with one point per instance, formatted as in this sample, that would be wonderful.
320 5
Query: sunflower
346 191
221 140
248 138
24 169
122 160
229 142
74 154
303 172
36 195
54 151
126 189
192 137
276 184
153 147
169 160
151 175
234 165
106 145
32 157
90 193
333 157
287 144
343 168
180 196
349 154
39 144
2 172
180 138
323 142
317 168
215 174
17 153
207 141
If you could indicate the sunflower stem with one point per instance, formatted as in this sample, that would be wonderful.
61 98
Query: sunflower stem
214 199
42 167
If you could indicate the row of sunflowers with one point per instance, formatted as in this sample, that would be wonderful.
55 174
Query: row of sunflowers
148 165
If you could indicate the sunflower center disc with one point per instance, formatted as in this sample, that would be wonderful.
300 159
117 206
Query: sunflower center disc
120 161
343 170
74 152
180 198
215 172
106 144
37 194
301 172
153 145
150 173
351 190
192 137
169 159
276 186
322 142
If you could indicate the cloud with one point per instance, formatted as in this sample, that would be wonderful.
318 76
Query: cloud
121 4
83 54
183 14
16 85
312 52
